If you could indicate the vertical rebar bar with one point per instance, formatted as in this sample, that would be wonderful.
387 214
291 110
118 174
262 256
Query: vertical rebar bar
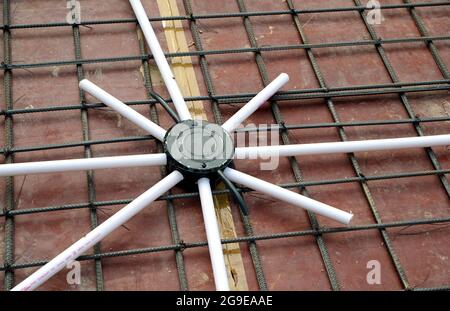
9 142
179 258
88 154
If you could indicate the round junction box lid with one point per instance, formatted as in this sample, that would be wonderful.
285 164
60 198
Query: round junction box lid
197 147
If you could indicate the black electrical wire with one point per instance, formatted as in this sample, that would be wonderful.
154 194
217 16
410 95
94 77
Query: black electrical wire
165 105
234 192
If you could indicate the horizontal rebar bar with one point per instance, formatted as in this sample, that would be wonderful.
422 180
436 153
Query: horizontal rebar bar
271 48
239 98
217 192
292 234
228 15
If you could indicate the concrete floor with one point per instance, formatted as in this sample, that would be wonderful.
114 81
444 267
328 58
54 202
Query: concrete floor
289 264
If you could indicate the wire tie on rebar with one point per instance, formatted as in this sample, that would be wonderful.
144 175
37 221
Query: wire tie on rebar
83 105
301 187
191 17
9 213
378 41
6 66
6 27
92 206
251 238
362 177
182 246
212 96
283 126
316 231
7 152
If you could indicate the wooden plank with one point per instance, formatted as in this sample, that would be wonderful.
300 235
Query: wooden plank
182 66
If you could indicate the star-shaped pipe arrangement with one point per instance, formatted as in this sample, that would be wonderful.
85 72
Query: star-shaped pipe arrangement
196 151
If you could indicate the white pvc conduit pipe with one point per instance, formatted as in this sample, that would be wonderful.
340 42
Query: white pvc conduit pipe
213 236
342 147
82 164
161 61
127 112
96 235
233 123
288 196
